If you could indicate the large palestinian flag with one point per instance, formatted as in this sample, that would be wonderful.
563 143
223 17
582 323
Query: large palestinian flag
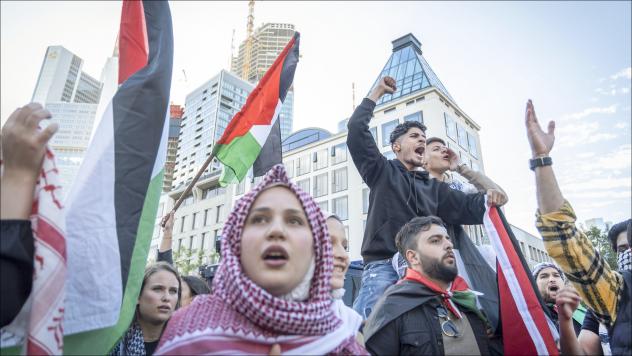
254 133
112 205
526 326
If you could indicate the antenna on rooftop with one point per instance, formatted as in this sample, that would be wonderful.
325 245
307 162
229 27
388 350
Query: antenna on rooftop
353 96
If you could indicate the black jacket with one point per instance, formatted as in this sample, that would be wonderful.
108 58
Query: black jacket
404 321
398 195
16 267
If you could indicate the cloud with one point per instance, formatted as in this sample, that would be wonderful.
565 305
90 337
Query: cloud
620 125
581 133
599 184
618 160
612 109
623 73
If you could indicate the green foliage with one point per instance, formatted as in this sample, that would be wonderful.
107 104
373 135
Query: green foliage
600 241
188 261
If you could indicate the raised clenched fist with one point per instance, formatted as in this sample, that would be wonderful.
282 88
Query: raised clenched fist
384 86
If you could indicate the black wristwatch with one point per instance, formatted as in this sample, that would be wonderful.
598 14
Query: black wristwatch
540 162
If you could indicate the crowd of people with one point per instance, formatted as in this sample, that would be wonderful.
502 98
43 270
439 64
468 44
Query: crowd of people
279 285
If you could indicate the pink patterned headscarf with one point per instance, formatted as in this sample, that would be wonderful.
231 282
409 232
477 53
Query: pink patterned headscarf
241 317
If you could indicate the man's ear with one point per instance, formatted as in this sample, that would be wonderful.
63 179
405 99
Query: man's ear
396 147
412 258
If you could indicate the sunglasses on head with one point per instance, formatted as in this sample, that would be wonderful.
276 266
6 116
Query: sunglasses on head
447 326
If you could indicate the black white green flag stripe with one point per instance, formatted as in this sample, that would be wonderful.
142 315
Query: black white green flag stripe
112 206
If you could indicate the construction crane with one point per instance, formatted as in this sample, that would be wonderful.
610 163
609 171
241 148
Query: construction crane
245 69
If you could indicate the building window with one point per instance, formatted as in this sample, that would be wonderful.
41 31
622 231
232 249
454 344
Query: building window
180 244
188 200
389 154
365 200
302 165
418 116
475 166
193 221
182 224
340 208
387 128
241 188
522 247
320 185
373 131
289 168
206 215
320 159
471 141
450 126
462 136
304 185
339 180
203 244
190 243
323 205
339 153
218 215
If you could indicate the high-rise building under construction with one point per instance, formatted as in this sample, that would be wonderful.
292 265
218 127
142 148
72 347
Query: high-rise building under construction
267 42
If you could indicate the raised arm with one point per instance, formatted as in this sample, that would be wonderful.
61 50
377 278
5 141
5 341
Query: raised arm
165 252
597 284
365 154
477 179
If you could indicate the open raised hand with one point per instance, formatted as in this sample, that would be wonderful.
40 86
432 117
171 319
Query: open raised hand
541 142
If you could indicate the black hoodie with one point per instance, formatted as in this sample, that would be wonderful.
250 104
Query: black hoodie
398 195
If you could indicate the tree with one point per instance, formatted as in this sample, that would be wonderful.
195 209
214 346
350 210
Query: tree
189 260
600 241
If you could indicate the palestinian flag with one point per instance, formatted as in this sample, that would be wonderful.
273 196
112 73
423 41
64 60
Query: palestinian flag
112 205
526 325
254 133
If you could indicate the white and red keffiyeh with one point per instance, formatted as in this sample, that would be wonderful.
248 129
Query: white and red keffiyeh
242 318
39 323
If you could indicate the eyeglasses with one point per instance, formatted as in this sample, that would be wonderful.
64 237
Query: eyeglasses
447 326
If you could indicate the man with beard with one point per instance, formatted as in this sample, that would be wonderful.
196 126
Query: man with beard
431 311
399 191
550 280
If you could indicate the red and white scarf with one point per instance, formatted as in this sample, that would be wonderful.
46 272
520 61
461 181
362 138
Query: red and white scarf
40 320
242 318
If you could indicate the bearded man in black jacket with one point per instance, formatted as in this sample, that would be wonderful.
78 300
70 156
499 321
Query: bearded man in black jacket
400 191
432 310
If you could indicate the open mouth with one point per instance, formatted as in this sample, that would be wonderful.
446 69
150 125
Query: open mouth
339 269
419 150
553 288
275 256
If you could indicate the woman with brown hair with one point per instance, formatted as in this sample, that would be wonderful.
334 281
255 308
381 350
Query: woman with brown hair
159 298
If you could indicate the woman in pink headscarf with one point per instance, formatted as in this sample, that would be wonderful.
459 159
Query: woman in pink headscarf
272 285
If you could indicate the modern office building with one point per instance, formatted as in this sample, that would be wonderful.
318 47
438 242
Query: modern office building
72 138
319 161
268 41
175 116
62 80
71 96
207 111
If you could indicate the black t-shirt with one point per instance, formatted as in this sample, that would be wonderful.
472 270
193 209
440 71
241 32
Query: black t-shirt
150 347
590 322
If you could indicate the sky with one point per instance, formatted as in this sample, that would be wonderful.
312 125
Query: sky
572 59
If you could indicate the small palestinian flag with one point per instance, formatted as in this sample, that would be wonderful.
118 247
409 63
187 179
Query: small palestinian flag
254 133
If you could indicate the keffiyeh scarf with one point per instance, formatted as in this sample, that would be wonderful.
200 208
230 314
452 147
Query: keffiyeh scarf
242 318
